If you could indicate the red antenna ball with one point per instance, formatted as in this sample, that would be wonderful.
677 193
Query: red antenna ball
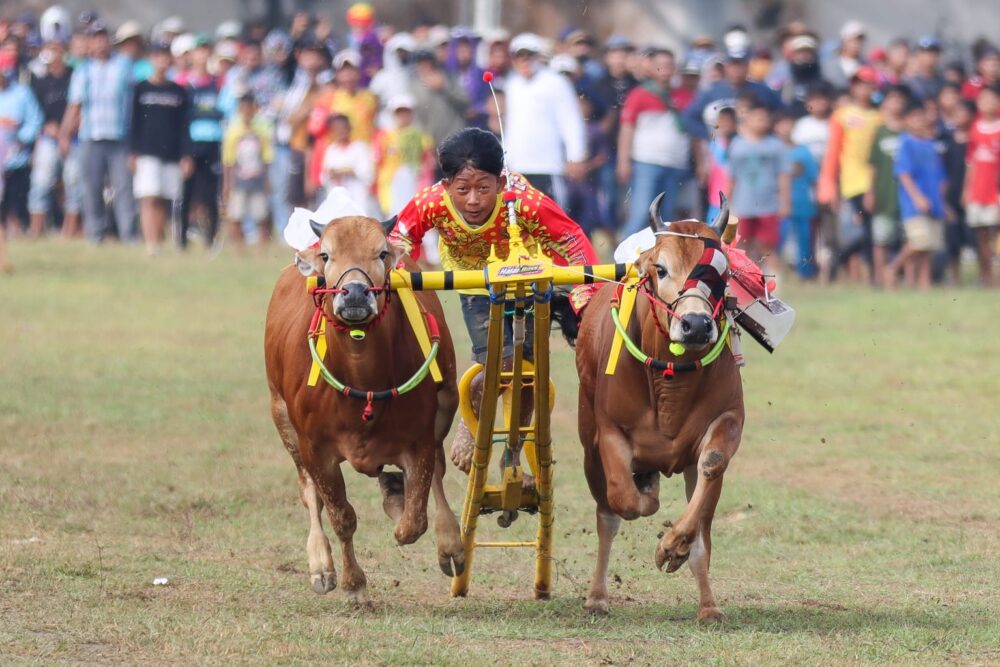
488 77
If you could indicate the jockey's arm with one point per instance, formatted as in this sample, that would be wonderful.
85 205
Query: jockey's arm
561 238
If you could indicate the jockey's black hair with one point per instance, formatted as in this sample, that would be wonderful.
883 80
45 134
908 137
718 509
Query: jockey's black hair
471 147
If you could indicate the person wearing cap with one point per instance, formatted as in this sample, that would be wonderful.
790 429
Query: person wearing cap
580 45
404 157
841 65
51 91
654 151
987 73
441 103
804 72
20 122
926 80
168 29
100 97
724 93
224 57
546 136
158 142
347 97
846 174
128 42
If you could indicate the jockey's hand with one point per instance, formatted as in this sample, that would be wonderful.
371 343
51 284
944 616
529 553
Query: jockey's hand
187 167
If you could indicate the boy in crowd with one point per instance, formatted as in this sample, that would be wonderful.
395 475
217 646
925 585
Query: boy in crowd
956 148
882 199
246 155
157 139
760 176
404 158
813 131
922 183
982 180
804 171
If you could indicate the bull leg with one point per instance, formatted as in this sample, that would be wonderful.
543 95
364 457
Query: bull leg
624 497
419 468
322 573
701 553
689 532
451 552
607 528
344 521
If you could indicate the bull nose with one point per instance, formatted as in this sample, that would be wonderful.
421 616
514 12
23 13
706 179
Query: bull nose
696 327
355 290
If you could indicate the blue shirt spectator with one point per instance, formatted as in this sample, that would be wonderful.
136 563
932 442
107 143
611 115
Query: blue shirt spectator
103 89
20 117
920 159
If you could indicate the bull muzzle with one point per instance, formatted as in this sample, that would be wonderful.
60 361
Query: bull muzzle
356 304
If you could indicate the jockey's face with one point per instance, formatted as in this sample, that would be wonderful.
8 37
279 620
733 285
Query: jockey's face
474 193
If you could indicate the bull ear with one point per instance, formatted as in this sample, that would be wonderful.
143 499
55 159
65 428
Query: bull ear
722 219
655 221
308 263
317 228
390 224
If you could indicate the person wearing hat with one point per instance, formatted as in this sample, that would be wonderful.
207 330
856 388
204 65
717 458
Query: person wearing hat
396 74
100 96
51 90
804 72
404 157
846 173
348 98
841 65
926 79
128 42
546 135
158 141
725 92
580 45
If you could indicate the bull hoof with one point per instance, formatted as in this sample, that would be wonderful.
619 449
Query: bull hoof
408 534
597 606
453 565
673 551
323 582
711 615
393 500
359 600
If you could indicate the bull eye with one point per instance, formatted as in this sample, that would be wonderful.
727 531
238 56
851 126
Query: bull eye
325 257
382 255
661 271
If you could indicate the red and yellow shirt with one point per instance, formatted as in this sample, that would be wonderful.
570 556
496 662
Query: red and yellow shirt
463 247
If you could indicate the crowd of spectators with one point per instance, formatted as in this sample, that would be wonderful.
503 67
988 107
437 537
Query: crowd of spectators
843 159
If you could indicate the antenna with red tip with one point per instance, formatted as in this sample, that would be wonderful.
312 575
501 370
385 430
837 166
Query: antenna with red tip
488 79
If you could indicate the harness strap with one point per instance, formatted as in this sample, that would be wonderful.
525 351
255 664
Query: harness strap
670 368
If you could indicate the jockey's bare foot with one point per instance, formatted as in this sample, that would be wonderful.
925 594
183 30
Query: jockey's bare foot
462 448
527 482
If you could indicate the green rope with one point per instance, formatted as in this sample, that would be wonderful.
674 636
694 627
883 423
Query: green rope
634 350
409 385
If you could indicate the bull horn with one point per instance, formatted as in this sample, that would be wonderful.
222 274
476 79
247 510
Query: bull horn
655 221
722 218
317 228
390 224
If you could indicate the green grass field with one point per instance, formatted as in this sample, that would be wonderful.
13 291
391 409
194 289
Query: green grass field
859 523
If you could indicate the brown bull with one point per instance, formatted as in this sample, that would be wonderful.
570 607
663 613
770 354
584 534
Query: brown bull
322 428
636 424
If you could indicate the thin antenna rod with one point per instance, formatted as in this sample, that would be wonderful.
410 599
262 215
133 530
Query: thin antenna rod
488 78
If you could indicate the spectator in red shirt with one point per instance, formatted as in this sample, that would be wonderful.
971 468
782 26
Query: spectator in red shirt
987 73
982 180
653 149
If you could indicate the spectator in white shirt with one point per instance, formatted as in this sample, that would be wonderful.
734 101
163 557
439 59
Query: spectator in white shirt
546 136
347 163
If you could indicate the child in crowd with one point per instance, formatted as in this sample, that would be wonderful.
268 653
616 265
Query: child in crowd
922 182
758 166
246 155
804 171
347 163
956 232
404 156
882 199
718 160
982 181
813 131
